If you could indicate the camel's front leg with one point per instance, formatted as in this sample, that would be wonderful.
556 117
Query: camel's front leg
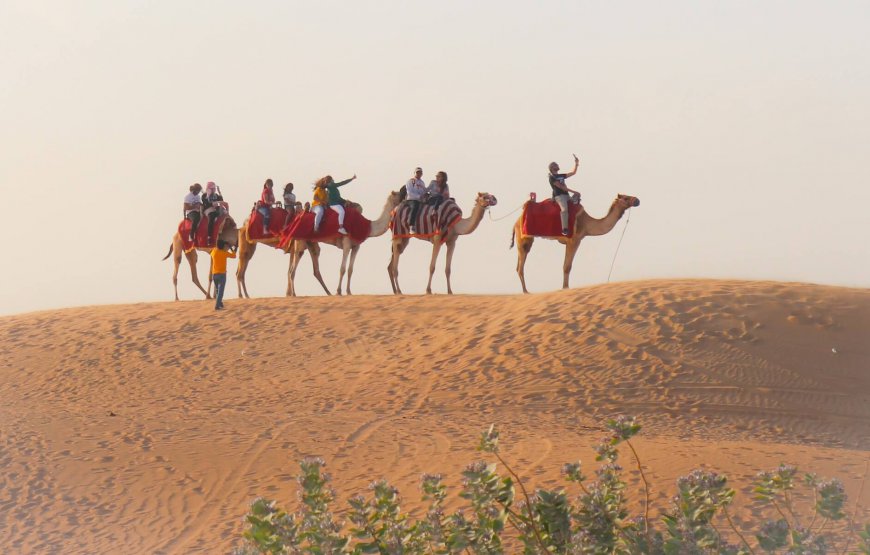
191 259
436 248
451 245
524 245
353 252
398 247
295 257
345 251
570 250
176 260
246 252
314 250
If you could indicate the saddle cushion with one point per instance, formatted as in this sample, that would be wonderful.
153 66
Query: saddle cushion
276 224
431 220
543 219
302 227
201 239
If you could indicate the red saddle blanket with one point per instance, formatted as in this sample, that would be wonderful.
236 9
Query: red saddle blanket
431 220
201 238
543 219
277 219
302 227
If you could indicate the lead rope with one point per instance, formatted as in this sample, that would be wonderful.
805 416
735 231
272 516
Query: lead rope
618 245
506 215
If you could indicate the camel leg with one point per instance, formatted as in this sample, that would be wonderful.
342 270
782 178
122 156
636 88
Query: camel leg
451 245
570 251
353 252
295 256
436 248
191 259
246 252
398 248
314 249
524 245
345 251
176 260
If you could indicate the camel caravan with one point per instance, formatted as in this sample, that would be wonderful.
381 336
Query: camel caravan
415 211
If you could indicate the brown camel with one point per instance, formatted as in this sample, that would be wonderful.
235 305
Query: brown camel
345 242
464 226
584 226
227 233
247 248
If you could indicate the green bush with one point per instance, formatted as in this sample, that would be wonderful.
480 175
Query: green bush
496 518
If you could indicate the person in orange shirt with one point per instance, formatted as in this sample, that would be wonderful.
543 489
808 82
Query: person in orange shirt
219 256
320 203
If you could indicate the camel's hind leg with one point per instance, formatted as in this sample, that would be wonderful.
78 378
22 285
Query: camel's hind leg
176 262
393 268
451 246
345 251
524 245
314 249
191 259
296 253
246 252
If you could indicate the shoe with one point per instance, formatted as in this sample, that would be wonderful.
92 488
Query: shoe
342 231
565 231
413 229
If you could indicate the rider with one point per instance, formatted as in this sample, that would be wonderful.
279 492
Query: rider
438 191
264 206
211 200
561 191
335 200
416 190
193 209
319 203
289 203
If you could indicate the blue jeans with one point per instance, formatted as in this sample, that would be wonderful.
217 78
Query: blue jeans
267 215
220 283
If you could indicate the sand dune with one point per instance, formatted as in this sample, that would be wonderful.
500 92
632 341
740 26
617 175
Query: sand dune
148 428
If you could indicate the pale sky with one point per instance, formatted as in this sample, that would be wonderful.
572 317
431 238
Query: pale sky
742 126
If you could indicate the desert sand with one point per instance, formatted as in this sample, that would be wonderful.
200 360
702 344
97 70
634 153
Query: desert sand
149 428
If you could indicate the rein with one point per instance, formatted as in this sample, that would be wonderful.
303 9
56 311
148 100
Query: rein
619 244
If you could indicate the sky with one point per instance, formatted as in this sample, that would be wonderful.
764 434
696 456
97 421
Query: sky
742 126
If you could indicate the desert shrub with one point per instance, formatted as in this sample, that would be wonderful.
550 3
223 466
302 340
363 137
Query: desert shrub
499 515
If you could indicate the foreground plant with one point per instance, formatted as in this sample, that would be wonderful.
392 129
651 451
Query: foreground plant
592 520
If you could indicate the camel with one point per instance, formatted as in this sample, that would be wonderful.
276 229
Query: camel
228 233
247 248
584 226
464 226
346 243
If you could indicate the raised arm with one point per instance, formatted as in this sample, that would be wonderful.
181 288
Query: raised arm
346 181
576 165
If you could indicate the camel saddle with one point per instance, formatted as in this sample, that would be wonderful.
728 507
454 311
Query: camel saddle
431 220
302 226
276 224
201 238
543 219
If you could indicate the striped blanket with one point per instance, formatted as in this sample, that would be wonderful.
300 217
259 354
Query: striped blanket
431 220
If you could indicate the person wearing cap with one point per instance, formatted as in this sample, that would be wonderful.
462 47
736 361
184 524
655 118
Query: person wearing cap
264 206
211 200
334 199
561 191
416 191
193 209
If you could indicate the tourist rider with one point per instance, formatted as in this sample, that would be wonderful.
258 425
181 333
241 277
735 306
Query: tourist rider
561 191
289 203
319 203
211 202
264 206
334 198
193 209
416 191
438 191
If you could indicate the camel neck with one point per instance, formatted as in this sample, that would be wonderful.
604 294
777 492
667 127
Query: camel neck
596 226
468 225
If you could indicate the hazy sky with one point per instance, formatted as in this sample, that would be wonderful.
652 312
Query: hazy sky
743 127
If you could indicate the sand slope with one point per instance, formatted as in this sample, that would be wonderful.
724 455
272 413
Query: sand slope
148 428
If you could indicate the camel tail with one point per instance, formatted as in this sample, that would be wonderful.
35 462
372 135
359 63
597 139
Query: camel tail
513 234
170 252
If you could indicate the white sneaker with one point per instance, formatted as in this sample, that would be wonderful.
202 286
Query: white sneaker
342 231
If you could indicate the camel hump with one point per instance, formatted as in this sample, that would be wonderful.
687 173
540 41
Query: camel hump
544 219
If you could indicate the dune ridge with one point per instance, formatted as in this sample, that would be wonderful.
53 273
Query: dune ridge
148 428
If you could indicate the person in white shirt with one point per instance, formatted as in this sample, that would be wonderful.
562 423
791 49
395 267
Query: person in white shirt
193 208
289 203
416 191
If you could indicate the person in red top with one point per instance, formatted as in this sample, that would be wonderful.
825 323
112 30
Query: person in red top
264 206
219 257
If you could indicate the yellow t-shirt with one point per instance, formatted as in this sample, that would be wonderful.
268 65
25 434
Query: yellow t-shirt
219 260
321 197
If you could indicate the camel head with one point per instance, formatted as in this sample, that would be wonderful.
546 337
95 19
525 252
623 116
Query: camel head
229 232
394 199
626 202
485 200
